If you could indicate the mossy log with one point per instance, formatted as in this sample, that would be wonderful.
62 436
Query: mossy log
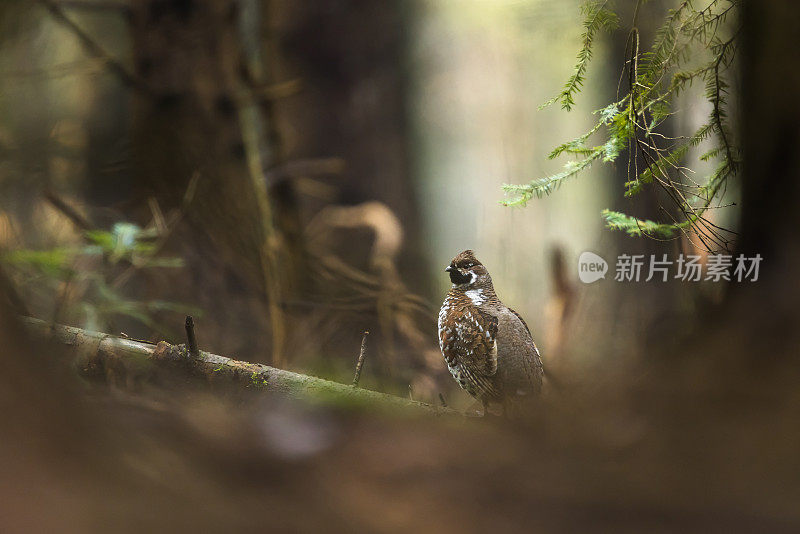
131 364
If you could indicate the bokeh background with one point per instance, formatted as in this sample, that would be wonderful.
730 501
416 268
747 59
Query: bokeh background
293 174
386 133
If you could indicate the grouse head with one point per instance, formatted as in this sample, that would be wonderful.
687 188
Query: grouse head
466 272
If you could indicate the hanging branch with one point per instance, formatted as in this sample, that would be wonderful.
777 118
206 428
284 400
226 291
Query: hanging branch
655 79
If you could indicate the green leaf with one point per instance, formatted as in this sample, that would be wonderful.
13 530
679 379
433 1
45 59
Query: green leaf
54 262
103 239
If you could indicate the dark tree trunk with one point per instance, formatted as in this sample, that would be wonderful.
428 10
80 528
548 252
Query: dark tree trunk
771 136
349 55
197 122
768 309
188 53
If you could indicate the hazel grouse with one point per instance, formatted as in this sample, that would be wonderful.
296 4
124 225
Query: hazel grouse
487 345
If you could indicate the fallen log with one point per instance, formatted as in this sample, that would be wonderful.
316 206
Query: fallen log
130 364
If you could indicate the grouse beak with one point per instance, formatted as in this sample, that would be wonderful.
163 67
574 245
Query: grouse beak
449 268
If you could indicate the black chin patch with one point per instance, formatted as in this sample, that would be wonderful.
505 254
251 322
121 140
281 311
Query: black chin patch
457 278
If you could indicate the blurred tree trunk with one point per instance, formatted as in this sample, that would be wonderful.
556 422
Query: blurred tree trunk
264 59
198 119
770 135
748 343
350 57
189 54
770 181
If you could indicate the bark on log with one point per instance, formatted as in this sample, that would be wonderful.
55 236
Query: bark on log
127 362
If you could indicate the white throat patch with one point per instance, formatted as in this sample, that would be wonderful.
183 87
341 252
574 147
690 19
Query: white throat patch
476 296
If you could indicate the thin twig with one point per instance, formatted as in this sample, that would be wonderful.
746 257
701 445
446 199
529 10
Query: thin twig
303 168
441 399
361 357
71 213
96 5
277 90
175 217
191 340
95 49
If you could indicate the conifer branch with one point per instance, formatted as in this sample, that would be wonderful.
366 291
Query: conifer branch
597 17
688 47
